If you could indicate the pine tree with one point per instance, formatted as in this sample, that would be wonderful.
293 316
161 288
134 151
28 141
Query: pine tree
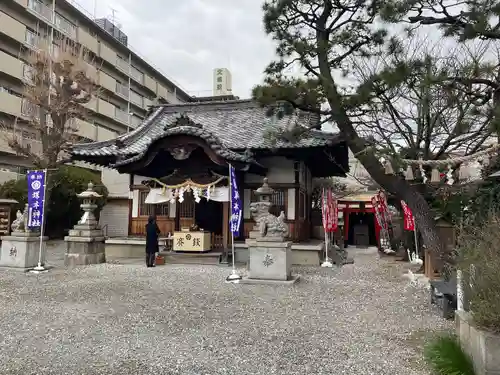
323 37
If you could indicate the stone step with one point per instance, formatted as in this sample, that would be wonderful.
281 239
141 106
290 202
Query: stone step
191 258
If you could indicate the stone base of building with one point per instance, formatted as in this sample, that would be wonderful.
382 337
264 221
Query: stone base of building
482 346
81 251
22 250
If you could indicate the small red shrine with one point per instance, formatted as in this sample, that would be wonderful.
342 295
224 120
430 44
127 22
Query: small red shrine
360 225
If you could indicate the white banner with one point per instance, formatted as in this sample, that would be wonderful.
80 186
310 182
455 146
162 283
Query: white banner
158 195
219 194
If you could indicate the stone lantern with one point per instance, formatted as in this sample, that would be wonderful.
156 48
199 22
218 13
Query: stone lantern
85 242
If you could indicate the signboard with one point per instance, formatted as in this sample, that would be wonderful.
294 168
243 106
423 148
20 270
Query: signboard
36 198
192 241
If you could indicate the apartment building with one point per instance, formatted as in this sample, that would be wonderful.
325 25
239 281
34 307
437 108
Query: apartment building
128 83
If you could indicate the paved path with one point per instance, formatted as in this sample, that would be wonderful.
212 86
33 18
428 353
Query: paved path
128 319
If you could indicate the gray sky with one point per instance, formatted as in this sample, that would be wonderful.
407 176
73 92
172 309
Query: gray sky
187 39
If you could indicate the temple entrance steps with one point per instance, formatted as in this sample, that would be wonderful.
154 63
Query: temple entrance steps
208 258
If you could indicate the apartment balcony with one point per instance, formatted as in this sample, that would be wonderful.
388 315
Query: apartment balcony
107 82
65 26
40 9
84 129
10 104
104 134
127 94
87 40
105 108
135 121
122 116
23 3
59 22
6 175
130 70
106 53
11 66
12 28
34 145
122 90
4 142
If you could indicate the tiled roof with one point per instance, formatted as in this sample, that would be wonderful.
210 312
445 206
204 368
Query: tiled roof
236 125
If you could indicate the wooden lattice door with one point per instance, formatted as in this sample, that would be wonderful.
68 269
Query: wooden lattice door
186 211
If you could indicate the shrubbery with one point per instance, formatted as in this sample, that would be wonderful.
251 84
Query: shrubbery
479 259
63 210
446 357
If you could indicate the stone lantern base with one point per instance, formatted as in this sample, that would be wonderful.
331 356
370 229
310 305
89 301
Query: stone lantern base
84 245
85 242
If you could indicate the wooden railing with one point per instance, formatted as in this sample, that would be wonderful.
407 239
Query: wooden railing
217 241
138 225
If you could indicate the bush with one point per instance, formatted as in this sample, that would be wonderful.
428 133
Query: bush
478 256
445 356
63 209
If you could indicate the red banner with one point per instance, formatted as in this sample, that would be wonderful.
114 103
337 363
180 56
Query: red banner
376 209
409 221
329 210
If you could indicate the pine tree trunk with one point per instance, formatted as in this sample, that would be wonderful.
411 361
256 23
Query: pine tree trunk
391 183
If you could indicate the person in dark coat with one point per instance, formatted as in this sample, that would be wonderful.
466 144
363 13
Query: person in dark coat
152 232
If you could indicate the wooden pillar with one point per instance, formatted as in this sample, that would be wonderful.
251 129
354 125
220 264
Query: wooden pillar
347 211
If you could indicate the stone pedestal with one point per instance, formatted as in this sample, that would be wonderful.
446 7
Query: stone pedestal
21 250
270 261
85 242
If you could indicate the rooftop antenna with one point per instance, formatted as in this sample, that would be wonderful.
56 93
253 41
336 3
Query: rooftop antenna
113 15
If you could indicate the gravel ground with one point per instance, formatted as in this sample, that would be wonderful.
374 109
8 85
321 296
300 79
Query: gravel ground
128 319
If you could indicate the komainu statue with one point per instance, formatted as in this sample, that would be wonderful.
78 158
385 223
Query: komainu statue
21 222
268 224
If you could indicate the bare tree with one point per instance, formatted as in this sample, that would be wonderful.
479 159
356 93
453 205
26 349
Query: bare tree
57 86
423 116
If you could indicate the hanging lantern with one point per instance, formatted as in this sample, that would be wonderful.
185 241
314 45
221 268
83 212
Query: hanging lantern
449 175
435 177
388 167
409 173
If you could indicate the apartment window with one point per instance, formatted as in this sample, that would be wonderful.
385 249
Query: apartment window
31 38
41 9
28 73
63 24
161 209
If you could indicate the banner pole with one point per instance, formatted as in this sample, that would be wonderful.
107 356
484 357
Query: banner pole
39 268
416 236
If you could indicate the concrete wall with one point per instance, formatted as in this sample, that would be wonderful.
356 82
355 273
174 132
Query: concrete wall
114 218
281 171
482 346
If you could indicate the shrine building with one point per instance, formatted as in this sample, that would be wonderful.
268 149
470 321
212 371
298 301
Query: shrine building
176 165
